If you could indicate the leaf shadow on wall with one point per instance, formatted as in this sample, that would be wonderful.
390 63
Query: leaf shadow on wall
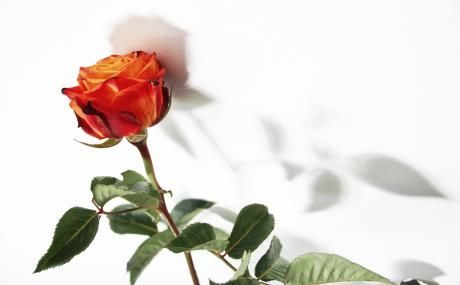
154 34
327 186
293 245
392 175
409 268
170 43
326 191
379 170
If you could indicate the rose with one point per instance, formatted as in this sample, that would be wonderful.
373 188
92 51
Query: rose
120 95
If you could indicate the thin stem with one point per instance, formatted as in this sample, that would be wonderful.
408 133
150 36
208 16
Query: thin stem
223 259
148 164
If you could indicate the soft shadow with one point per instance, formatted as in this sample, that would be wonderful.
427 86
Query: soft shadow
392 175
292 169
293 246
420 270
189 98
224 213
276 142
172 130
418 282
154 34
327 191
274 135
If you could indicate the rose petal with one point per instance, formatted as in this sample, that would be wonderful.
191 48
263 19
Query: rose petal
120 95
152 70
92 124
72 92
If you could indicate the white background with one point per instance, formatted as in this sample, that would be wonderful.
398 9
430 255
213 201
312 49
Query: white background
341 116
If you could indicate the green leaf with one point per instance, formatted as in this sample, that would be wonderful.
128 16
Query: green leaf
106 188
133 188
239 281
271 266
252 227
187 209
146 252
277 271
242 270
143 195
221 234
131 177
135 222
73 234
105 144
321 268
197 236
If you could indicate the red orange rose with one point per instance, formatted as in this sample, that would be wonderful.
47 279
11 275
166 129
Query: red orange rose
120 95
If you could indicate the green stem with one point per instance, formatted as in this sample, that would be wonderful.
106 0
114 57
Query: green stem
148 164
222 258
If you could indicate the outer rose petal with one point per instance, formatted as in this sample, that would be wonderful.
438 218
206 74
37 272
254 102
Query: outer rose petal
143 100
72 92
151 70
92 124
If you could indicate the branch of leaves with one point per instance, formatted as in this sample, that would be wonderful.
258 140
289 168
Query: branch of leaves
78 227
252 226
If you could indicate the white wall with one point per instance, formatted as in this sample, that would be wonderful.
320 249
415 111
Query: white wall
341 116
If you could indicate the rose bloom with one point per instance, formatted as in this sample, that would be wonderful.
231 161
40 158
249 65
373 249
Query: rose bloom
120 95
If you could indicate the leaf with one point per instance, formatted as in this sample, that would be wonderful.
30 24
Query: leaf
73 234
131 177
146 252
199 236
106 188
243 268
221 234
321 268
135 222
143 195
277 271
239 281
271 266
252 227
105 144
134 188
187 209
